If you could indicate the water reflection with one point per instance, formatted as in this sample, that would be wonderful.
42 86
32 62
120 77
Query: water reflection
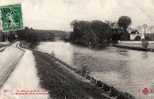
145 55
123 52
127 70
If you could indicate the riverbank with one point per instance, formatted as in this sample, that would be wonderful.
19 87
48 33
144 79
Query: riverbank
134 48
61 82
135 45
96 89
114 66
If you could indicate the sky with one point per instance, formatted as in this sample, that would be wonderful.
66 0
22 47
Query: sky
57 14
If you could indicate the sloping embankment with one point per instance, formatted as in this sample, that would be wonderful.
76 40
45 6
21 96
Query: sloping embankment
61 82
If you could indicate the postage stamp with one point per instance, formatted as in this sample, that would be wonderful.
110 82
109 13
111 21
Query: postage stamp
11 16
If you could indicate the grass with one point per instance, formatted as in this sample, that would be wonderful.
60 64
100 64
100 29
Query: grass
61 82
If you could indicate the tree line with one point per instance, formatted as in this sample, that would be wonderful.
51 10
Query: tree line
98 34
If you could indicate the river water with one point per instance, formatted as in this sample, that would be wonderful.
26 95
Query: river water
127 70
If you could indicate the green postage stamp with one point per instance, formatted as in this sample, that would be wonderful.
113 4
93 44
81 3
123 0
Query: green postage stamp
11 17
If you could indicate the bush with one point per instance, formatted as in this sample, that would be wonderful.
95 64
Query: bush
145 43
84 71
93 34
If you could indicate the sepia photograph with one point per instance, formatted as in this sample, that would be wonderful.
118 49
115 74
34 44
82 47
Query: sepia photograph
76 49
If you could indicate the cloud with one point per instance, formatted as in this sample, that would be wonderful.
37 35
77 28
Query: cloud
57 14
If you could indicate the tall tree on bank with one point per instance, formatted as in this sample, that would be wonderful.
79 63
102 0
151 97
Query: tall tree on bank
101 29
124 22
80 28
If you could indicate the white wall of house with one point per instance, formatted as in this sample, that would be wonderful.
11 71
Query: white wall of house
133 36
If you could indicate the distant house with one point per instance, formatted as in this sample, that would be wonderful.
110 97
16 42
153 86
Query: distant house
136 36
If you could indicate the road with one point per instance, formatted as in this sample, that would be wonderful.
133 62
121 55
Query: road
9 58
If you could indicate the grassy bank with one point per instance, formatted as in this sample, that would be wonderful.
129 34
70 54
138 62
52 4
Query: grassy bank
63 83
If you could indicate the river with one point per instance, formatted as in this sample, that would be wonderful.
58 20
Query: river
127 70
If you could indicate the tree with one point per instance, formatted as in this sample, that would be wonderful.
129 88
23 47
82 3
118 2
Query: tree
145 26
151 29
102 30
74 24
80 30
76 31
124 22
95 34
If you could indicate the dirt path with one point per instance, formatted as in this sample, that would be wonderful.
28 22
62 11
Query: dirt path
8 61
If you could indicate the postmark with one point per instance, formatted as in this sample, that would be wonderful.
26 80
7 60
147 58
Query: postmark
11 17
